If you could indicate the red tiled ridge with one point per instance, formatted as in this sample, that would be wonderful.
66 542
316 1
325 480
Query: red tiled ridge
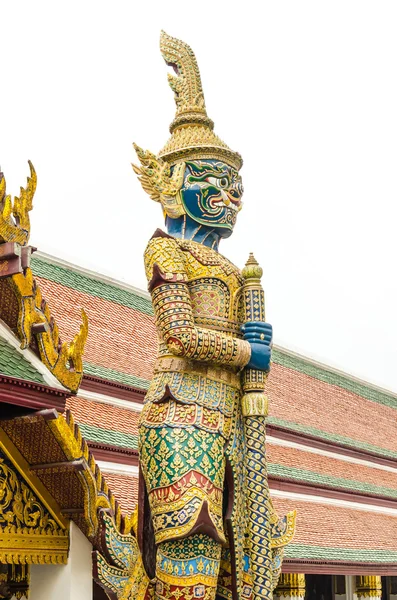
112 388
31 394
307 401
119 337
319 442
292 457
115 454
105 416
338 527
125 490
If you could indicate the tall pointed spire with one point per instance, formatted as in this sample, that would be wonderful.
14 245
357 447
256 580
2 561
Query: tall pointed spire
192 135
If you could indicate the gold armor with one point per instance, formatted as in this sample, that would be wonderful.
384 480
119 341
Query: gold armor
190 426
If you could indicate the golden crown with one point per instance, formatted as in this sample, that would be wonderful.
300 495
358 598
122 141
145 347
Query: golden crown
192 135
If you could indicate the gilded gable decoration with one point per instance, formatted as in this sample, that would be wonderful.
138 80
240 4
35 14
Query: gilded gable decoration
32 528
53 449
22 306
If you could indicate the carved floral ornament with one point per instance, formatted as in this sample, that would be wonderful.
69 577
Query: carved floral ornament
20 293
28 532
19 507
34 509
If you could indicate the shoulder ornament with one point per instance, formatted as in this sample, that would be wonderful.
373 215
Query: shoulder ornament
164 262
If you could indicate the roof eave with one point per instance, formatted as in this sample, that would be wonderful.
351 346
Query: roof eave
32 395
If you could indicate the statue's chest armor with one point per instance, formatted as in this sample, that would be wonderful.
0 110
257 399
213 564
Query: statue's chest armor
215 286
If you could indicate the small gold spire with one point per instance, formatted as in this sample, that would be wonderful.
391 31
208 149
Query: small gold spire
252 269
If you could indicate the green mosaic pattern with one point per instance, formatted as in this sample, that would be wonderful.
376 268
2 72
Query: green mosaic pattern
107 436
297 551
306 476
182 450
342 381
14 364
90 286
113 375
332 437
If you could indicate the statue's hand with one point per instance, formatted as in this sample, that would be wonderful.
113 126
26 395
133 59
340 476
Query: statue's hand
259 335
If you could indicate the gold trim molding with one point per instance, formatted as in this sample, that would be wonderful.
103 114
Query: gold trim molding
291 585
32 481
32 529
368 586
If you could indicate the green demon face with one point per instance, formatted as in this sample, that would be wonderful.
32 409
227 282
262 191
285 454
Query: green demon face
211 194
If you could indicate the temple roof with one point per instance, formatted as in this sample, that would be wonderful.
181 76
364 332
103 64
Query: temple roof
289 462
301 390
107 424
117 312
342 535
332 444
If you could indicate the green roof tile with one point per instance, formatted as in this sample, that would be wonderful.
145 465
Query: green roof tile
14 364
91 286
113 375
108 436
329 376
298 551
306 476
332 437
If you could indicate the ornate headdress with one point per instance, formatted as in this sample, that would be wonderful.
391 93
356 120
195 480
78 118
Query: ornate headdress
192 135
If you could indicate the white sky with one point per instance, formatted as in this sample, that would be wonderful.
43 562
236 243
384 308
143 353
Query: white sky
305 90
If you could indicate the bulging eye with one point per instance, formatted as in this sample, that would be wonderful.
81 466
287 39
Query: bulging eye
222 183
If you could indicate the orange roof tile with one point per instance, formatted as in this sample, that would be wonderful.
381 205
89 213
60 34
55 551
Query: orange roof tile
119 337
106 416
125 490
316 469
338 527
305 400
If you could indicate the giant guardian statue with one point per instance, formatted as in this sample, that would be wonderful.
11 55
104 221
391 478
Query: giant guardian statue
206 525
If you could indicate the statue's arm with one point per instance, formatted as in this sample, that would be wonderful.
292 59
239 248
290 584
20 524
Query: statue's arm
174 315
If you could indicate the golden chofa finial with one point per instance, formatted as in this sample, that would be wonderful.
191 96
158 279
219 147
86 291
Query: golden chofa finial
14 216
192 136
252 269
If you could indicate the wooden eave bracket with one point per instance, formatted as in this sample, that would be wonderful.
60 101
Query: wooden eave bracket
14 258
